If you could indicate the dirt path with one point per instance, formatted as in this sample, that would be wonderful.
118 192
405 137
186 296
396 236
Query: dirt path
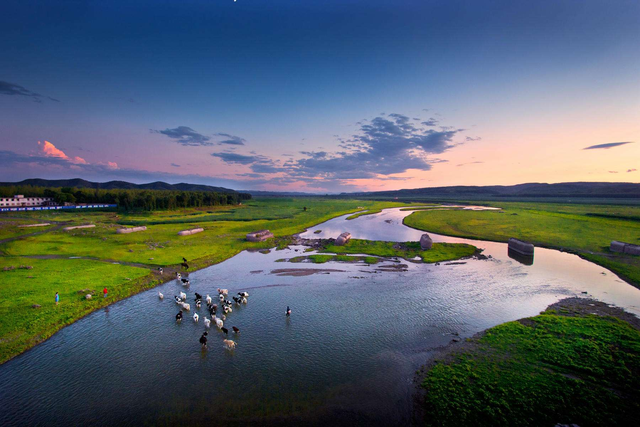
109 261
55 226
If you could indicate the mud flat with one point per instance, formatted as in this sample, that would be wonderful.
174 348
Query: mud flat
299 272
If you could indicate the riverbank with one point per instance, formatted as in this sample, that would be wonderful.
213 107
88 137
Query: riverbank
585 230
22 326
578 362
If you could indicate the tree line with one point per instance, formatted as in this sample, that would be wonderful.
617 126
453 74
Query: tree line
129 199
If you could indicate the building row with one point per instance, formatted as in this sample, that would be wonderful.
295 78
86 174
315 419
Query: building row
20 201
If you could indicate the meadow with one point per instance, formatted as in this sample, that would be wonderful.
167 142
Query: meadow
48 254
586 230
564 366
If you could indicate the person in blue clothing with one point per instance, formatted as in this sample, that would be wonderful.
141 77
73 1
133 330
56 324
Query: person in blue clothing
57 298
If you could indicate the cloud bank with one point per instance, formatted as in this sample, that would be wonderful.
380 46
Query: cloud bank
382 147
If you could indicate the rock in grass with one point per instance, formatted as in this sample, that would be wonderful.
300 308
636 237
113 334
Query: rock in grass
425 242
35 306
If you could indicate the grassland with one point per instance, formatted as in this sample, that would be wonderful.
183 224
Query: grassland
10 227
586 230
25 282
563 366
22 326
407 250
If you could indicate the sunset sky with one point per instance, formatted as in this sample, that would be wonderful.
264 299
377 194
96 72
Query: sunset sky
321 95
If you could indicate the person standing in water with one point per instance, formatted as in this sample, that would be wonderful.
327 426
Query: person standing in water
57 298
288 313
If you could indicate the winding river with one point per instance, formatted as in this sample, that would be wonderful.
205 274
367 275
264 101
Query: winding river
346 356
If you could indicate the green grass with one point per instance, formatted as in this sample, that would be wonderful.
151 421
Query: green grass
584 229
22 326
407 250
224 236
219 241
9 227
547 370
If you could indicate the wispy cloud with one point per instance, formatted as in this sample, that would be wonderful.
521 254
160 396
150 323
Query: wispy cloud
235 158
175 165
607 145
186 136
231 139
469 163
13 89
632 170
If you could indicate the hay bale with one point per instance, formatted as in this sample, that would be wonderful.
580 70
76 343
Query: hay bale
126 230
79 226
632 249
626 248
617 246
425 242
259 236
190 232
343 239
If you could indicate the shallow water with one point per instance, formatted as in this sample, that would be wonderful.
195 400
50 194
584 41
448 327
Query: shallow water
346 356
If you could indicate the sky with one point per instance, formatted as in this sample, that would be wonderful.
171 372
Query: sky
321 96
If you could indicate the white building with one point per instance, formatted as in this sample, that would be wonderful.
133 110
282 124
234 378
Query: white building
19 201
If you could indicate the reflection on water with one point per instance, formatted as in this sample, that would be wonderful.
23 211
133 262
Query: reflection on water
522 259
346 356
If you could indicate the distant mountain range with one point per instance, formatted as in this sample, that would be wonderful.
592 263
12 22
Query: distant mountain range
117 185
564 189
530 190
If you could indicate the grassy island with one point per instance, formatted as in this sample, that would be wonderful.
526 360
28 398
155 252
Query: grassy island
407 250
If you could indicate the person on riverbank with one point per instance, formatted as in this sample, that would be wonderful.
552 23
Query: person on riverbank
57 298
105 292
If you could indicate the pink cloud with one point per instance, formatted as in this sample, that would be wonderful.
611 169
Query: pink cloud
112 165
50 150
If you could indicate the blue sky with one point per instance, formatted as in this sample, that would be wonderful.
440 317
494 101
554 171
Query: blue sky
258 94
